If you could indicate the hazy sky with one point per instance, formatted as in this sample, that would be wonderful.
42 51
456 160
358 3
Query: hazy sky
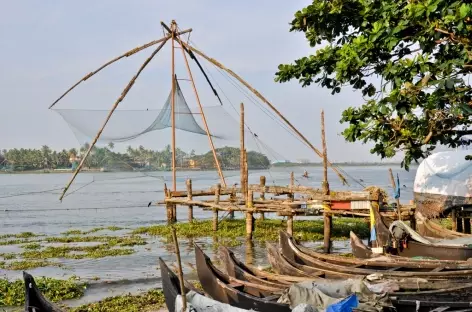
46 46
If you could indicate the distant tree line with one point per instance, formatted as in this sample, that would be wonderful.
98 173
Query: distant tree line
133 159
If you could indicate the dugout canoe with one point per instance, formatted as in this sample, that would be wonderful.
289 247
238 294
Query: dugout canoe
223 288
411 248
34 299
318 261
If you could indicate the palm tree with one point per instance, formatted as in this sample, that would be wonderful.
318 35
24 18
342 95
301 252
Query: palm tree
111 145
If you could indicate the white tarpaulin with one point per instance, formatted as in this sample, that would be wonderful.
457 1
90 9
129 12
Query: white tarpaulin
445 173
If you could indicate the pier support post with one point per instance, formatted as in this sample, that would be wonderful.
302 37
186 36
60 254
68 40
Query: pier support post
454 220
168 205
327 217
292 184
174 213
189 197
290 224
249 215
460 225
467 225
262 183
215 211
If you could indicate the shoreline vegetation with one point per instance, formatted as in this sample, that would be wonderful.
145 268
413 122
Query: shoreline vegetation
105 159
36 253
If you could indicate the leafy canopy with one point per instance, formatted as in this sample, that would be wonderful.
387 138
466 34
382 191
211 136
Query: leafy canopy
418 51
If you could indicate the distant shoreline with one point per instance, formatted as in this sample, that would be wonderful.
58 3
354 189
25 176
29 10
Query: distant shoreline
281 165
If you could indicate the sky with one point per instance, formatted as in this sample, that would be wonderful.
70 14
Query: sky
46 46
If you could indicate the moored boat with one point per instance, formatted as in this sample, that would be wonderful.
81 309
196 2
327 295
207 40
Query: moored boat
223 288
34 299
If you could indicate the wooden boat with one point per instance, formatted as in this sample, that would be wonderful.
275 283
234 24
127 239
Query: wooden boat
382 263
291 251
429 228
171 285
404 301
237 269
412 248
34 299
223 288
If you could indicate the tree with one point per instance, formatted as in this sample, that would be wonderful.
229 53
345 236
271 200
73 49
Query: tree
418 51
111 145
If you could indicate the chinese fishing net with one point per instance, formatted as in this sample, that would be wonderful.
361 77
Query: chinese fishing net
126 125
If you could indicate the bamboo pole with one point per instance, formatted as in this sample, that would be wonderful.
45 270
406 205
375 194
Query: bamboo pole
392 181
168 205
173 26
328 218
215 211
179 267
292 185
190 197
454 220
207 130
259 95
241 151
115 105
290 224
262 183
126 54
249 216
246 174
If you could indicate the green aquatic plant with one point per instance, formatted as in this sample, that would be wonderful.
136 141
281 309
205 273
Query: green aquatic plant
32 246
26 264
20 235
149 301
13 293
265 230
111 240
8 256
77 252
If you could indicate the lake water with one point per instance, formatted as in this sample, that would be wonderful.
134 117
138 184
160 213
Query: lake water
30 202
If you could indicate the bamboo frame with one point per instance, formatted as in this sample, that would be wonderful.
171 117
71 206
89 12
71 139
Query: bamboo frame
260 96
207 130
328 219
126 54
173 26
115 105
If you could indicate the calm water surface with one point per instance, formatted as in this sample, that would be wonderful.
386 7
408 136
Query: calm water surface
29 202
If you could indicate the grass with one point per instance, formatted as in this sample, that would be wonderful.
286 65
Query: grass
148 301
13 293
265 230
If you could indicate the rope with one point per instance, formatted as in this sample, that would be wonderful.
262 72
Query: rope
30 193
72 209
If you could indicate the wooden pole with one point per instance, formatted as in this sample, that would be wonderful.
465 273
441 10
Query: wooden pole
292 184
173 27
249 215
290 224
246 174
179 267
168 205
460 224
189 197
110 113
126 54
328 219
242 149
392 181
215 211
242 81
207 130
262 183
467 225
454 220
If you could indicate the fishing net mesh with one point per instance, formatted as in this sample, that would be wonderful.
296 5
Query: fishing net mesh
126 125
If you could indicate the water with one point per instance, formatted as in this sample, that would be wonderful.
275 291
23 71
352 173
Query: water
29 202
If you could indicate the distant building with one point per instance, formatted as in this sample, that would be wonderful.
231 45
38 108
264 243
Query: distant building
192 163
280 162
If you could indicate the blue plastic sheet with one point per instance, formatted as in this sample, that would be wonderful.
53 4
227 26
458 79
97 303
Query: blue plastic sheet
345 305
